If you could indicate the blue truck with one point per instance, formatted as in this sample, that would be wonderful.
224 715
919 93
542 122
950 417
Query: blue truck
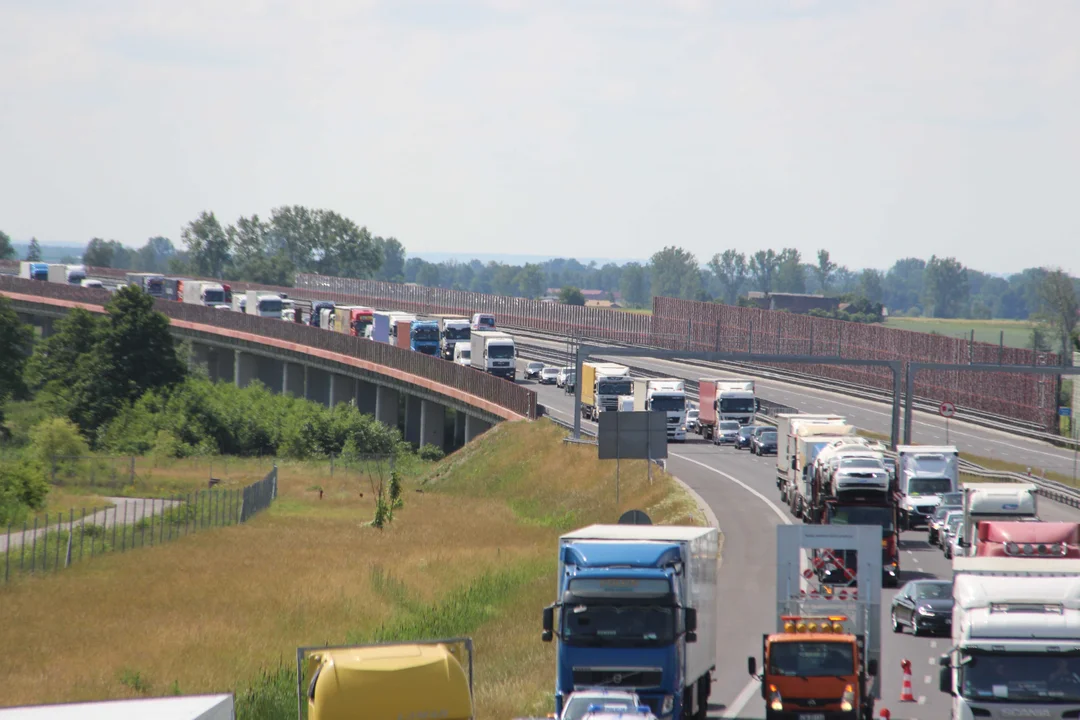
424 337
636 610
33 270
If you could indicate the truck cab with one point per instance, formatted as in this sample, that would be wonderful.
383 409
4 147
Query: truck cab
424 337
666 395
76 274
493 352
453 331
482 321
602 385
926 473
153 284
994 501
1028 539
317 306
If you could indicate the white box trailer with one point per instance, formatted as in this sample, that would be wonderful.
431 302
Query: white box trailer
786 423
193 707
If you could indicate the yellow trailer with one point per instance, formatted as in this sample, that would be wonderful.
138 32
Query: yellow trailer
386 681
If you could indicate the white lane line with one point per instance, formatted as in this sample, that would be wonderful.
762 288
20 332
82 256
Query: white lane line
933 644
926 679
737 705
741 699
922 699
932 661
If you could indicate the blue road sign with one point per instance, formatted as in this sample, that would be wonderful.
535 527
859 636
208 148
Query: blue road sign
1065 412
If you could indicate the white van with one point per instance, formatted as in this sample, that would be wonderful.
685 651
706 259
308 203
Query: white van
462 353
482 321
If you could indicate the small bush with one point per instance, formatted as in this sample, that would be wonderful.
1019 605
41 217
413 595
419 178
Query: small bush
22 489
57 440
431 452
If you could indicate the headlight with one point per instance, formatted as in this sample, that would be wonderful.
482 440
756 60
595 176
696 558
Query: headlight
668 705
925 612
847 702
775 701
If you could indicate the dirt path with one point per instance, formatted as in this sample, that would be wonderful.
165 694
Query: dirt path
125 511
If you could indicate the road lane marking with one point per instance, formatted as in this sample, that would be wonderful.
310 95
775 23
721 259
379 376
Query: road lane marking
779 513
733 710
926 679
933 644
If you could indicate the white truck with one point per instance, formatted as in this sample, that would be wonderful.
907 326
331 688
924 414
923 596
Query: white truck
925 473
263 304
994 501
1015 638
735 400
493 352
207 294
58 273
786 424
451 332
666 395
76 274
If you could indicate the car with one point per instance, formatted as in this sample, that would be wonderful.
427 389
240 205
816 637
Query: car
727 432
925 606
548 376
692 420
603 712
746 433
764 442
532 370
580 702
953 525
560 381
937 522
570 382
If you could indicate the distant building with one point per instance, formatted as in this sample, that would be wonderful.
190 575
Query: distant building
798 303
590 294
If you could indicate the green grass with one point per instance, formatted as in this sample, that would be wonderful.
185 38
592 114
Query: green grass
1017 332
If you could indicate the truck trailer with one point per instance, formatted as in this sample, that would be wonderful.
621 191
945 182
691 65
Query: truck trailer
667 395
493 352
153 284
58 273
1015 638
786 426
602 384
636 609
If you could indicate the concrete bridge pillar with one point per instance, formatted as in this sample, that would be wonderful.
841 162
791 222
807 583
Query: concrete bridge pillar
269 373
199 357
342 389
459 429
432 424
292 378
318 385
413 409
367 397
246 368
474 426
386 406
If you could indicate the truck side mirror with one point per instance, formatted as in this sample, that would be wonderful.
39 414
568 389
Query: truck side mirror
691 620
945 680
549 623
691 636
871 667
751 666
794 464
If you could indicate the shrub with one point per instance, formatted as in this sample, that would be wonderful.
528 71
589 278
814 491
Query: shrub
57 443
431 452
22 488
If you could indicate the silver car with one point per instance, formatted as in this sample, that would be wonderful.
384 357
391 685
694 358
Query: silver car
727 432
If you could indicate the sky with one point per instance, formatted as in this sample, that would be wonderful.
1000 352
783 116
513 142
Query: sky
602 128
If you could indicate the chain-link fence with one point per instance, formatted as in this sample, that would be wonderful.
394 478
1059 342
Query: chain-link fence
58 540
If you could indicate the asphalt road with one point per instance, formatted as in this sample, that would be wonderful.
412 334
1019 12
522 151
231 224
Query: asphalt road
741 490
927 428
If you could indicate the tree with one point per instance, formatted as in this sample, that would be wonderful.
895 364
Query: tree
871 285
7 250
252 257
670 268
634 285
154 256
763 267
824 270
946 286
137 345
53 366
1059 307
207 244
503 279
731 271
570 295
530 281
790 273
905 284
428 275
393 265
98 253
33 253
16 340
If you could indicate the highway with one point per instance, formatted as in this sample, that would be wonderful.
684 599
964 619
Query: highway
741 490
927 429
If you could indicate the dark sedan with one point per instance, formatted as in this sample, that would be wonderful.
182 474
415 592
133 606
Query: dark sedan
764 443
925 606
746 433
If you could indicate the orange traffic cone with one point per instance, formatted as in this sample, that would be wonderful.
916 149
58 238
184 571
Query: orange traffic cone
885 714
906 694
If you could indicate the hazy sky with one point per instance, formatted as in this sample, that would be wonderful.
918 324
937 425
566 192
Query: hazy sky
565 127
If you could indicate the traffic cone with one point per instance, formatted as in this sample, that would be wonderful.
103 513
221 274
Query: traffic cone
884 714
906 694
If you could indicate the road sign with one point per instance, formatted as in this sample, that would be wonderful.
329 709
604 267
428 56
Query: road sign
947 409
1065 412
632 435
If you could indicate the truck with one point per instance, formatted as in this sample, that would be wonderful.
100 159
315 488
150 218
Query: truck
667 395
352 320
153 284
822 660
386 681
1015 638
317 306
33 270
601 386
76 274
636 609
255 302
925 473
198 292
997 538
384 325
852 486
994 501
452 330
786 425
733 399
493 352
810 439
424 337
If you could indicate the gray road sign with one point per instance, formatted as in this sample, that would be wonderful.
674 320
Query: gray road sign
632 435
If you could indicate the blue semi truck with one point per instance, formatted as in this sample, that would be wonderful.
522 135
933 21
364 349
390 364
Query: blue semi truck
636 610
424 337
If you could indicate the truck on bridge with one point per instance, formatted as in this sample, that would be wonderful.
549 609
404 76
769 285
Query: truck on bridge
1015 638
152 284
453 329
198 292
352 319
33 270
602 384
667 395
636 609
493 352
424 337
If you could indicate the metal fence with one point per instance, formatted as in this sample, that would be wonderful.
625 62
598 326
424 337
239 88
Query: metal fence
58 540
517 399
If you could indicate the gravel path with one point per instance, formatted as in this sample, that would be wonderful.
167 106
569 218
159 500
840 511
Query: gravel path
125 511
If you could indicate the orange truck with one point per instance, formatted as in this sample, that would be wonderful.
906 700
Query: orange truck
1028 539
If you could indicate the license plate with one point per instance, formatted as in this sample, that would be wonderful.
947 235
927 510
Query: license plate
811 716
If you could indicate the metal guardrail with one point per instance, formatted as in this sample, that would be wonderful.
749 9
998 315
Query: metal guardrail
517 399
1052 489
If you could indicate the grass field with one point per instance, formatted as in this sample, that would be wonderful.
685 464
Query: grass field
1017 332
471 552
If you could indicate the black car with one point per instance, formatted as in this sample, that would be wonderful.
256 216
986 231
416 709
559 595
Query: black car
571 380
925 606
746 432
764 443
936 523
532 370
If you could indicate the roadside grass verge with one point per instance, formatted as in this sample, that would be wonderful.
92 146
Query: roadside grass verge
473 553
63 501
1017 332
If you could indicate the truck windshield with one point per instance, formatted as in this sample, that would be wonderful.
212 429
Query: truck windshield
861 515
615 387
929 486
668 404
457 333
500 351
811 659
618 625
270 306
485 321
1020 677
426 334
737 405
155 286
466 354
214 296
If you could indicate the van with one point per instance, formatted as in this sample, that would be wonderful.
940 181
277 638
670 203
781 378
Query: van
462 354
482 321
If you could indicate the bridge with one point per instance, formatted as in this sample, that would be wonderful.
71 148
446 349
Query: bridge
433 401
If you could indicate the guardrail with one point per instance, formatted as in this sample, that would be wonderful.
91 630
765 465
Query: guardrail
518 400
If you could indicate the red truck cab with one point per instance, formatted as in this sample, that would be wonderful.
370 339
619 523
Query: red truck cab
1028 539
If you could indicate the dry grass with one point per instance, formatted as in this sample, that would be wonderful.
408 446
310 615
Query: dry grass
210 612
